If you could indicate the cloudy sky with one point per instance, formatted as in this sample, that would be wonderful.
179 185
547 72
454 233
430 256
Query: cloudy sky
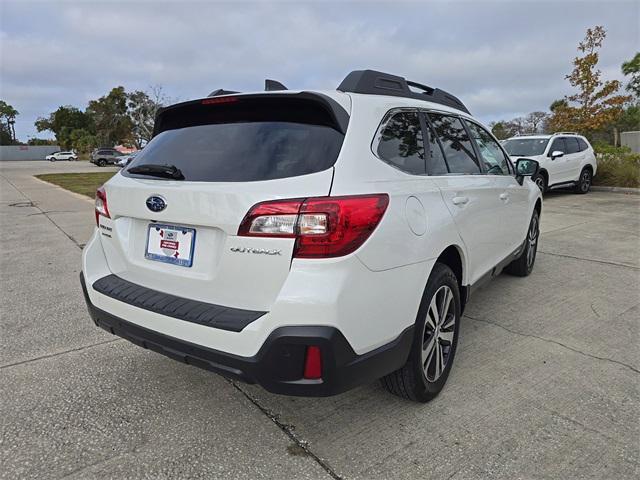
502 58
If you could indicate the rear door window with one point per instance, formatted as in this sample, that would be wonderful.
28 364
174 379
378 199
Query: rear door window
244 140
436 163
572 145
401 143
583 145
456 144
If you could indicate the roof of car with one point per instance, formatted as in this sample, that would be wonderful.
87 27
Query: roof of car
545 136
373 84
390 101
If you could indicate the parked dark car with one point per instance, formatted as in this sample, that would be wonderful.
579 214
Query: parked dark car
105 156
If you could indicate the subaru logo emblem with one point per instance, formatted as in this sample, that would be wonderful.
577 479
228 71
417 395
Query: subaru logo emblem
156 203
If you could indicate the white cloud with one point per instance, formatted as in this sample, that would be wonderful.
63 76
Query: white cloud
501 58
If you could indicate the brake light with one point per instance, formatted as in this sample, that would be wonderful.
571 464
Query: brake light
323 227
101 204
312 363
210 101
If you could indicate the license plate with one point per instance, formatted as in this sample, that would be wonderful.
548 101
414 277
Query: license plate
170 244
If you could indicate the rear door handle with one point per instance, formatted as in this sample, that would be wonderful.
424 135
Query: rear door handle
504 196
460 200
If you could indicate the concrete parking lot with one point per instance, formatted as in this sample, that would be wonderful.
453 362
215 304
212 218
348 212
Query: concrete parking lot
546 382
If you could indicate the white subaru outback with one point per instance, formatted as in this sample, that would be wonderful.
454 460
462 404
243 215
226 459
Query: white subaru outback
310 241
566 159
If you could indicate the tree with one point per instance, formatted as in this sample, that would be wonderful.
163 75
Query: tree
8 116
632 67
63 122
41 141
558 104
500 130
109 115
143 108
535 121
596 103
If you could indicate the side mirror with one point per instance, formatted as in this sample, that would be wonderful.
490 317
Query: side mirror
526 167
556 154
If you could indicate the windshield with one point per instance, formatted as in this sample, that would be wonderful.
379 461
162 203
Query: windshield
242 143
525 147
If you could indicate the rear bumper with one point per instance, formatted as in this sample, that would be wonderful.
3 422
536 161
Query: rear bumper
278 366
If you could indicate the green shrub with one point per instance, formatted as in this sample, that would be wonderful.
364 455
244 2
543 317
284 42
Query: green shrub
617 166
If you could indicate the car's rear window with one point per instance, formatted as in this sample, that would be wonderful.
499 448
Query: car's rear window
244 140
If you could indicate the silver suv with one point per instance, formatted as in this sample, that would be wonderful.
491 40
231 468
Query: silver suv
105 156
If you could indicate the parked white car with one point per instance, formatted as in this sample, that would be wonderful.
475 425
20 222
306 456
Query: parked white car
311 241
566 159
57 156
126 159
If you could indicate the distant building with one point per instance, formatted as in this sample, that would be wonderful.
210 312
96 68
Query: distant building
26 152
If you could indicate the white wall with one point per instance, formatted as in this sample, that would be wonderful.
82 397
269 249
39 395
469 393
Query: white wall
26 152
631 140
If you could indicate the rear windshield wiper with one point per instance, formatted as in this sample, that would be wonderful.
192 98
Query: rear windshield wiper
155 170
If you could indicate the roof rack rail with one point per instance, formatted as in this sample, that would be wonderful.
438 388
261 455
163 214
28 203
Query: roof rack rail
565 133
380 83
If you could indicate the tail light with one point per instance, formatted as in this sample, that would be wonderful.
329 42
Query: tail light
101 204
323 227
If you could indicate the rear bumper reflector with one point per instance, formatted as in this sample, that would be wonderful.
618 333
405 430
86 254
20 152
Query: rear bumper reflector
194 311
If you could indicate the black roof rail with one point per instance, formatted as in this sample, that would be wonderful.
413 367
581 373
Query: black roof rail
380 83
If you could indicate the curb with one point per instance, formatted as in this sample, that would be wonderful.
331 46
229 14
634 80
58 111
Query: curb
598 188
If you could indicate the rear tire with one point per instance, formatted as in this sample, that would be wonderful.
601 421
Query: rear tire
523 265
435 340
101 163
584 182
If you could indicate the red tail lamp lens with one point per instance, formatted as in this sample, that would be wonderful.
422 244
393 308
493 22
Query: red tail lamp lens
323 226
313 363
101 204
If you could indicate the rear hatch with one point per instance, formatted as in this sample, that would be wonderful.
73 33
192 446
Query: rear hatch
173 226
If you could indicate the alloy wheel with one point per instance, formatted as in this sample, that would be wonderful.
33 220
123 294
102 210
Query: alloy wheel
437 338
585 181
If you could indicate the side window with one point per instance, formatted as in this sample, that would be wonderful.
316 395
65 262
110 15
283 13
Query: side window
436 164
401 143
456 144
490 152
572 144
583 144
558 145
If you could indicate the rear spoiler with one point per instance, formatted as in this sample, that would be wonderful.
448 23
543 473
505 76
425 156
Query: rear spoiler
165 118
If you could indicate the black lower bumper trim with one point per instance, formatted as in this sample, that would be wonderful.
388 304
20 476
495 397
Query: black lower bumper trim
278 365
202 313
